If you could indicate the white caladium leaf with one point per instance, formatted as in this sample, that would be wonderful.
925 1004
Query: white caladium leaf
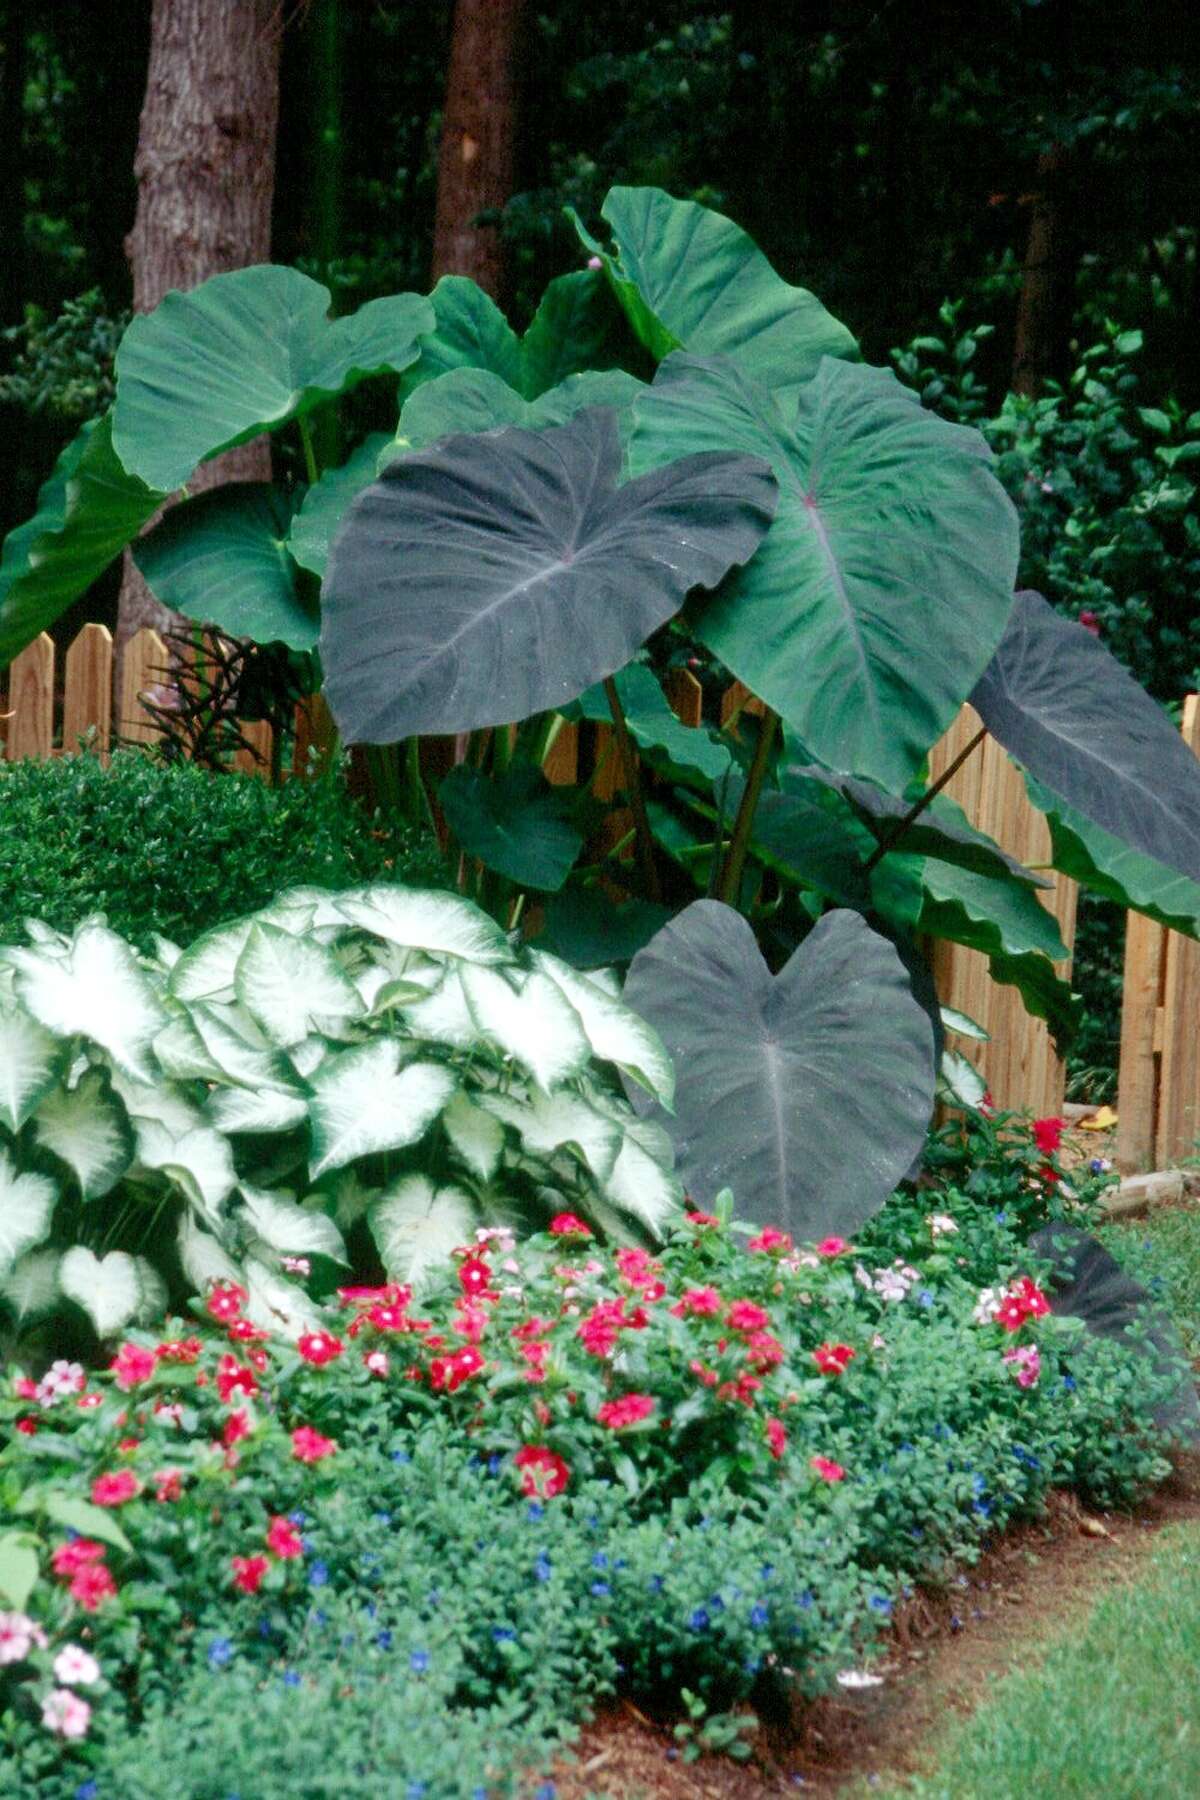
304 909
292 986
275 1304
31 1061
159 1103
202 1258
363 1102
107 1288
207 968
443 1016
31 1286
279 1224
614 1030
200 1162
180 1052
959 1081
38 932
98 990
308 1056
416 1226
240 1060
166 954
548 1123
153 1302
87 1127
477 1136
237 1109
953 1020
26 1204
426 920
536 1024
642 1188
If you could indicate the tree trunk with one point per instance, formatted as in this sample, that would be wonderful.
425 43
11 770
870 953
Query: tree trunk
205 172
12 163
1038 306
477 156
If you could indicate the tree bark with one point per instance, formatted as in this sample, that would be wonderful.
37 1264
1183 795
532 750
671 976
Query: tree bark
1038 305
205 171
477 156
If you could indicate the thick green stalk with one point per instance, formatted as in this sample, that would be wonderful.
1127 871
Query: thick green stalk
729 886
633 789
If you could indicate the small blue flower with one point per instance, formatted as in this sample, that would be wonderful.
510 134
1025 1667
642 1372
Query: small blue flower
716 1604
479 1793
806 1601
752 1665
503 1634
298 1518
925 1298
698 1621
880 1603
1069 1383
599 1561
766 1572
347 1640
291 1678
541 1567
978 1484
319 1617
401 1456
655 1584
535 1511
318 1574
264 1628
416 1790
758 1616
87 1790
545 1792
370 1609
434 1598
418 1661
382 1518
220 1652
494 1463
601 1590
384 1639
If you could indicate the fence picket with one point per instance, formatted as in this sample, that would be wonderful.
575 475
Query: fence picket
144 664
1177 1022
87 693
31 702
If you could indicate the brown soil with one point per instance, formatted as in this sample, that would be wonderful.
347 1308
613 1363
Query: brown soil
945 1654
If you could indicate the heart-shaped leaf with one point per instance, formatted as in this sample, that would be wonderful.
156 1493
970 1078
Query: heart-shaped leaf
316 524
88 1128
476 400
363 1102
885 581
107 1288
689 277
590 931
98 990
516 823
27 1203
87 512
498 576
808 1092
223 559
1080 725
241 354
416 1226
31 1061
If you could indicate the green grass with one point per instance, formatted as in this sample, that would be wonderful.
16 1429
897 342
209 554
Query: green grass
1163 1252
1110 1713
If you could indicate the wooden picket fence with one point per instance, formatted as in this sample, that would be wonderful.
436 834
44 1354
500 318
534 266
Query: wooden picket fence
1159 1081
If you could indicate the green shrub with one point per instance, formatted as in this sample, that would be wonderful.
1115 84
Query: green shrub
175 849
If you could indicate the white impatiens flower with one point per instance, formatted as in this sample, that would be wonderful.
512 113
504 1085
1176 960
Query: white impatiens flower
890 1284
65 1713
941 1224
61 1378
990 1301
75 1667
18 1636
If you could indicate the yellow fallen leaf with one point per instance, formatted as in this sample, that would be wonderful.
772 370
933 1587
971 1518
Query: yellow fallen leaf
1104 1120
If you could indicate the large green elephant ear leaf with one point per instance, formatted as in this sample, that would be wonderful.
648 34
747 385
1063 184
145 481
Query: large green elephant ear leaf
223 559
499 575
87 512
807 1092
242 354
1095 741
478 400
688 278
515 823
316 524
885 582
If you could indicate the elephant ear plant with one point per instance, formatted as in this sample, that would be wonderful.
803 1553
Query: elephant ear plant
357 1078
682 456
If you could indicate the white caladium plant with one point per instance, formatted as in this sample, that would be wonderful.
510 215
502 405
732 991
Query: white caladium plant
340 1080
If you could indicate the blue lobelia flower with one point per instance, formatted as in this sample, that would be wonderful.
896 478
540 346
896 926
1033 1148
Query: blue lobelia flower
418 1661
220 1652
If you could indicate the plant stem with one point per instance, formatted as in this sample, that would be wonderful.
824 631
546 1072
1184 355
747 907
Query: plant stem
311 471
730 884
633 789
890 839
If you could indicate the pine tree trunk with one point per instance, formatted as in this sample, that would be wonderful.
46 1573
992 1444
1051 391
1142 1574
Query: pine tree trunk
477 157
1041 281
205 172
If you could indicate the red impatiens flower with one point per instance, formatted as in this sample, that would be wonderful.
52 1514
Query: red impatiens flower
132 1365
827 1469
24 1388
567 1225
447 1373
832 1359
702 1220
1012 1313
182 1350
699 1303
308 1446
245 1331
168 1484
283 1539
237 1426
319 1347
68 1559
27 1425
116 1488
771 1240
832 1246
764 1352
234 1378
637 1267
1047 1135
386 1317
225 1301
776 1438
599 1331
630 1409
474 1274
91 1586
543 1471
744 1315
248 1572
1032 1298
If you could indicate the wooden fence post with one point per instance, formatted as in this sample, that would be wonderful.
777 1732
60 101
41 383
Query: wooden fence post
87 693
31 702
145 664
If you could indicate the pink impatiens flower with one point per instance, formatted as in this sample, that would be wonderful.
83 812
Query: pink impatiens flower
630 1409
283 1539
1026 1364
567 1225
132 1365
831 1246
700 1303
771 1240
248 1572
308 1446
776 1438
827 1469
319 1347
65 1714
18 1636
116 1488
225 1301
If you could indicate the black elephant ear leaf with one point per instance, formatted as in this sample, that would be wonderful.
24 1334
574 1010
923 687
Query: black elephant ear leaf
1068 712
498 575
807 1092
1089 1284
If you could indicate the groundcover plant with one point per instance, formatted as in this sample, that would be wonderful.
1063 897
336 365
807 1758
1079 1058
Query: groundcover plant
565 1468
682 454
